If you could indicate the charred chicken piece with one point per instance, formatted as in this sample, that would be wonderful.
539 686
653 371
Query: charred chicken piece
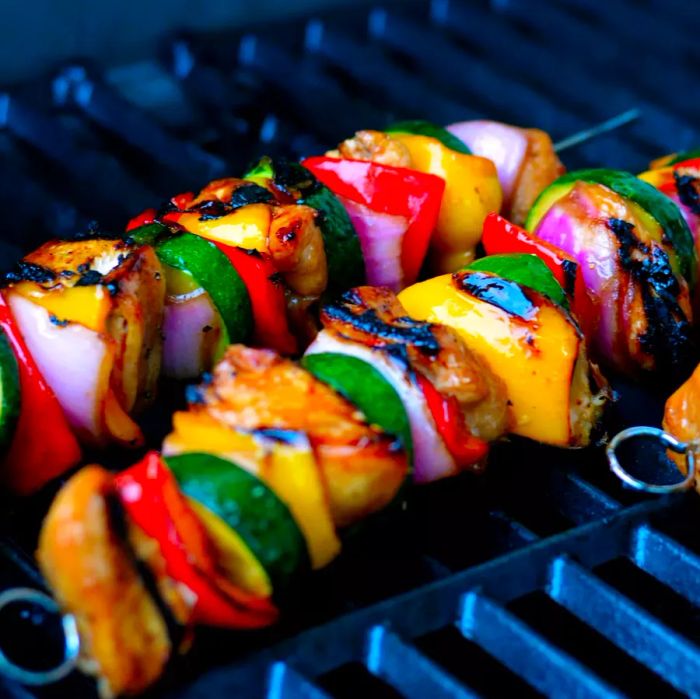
256 389
92 572
91 314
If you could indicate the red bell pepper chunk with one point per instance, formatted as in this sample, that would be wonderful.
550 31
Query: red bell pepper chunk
152 500
183 200
145 217
43 446
179 201
465 448
266 292
386 189
501 236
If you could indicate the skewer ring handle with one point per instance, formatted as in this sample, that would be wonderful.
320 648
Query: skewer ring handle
71 640
669 442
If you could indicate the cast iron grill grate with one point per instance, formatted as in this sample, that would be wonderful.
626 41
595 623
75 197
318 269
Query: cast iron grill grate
541 577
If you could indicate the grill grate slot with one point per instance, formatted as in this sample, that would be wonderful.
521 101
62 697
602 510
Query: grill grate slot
626 624
286 682
668 561
589 647
404 667
371 68
541 663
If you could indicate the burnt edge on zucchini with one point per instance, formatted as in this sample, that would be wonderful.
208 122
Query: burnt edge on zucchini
669 335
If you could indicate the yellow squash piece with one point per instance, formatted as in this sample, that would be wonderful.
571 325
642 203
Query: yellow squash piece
290 470
535 358
472 191
233 556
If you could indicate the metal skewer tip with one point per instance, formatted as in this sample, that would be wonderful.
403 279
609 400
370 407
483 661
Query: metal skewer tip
587 134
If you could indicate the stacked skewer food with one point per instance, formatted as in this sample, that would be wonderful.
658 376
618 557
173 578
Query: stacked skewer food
346 337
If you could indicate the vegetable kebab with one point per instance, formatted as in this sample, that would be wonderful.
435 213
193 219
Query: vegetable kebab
272 460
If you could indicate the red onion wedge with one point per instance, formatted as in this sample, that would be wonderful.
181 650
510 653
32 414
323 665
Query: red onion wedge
381 237
642 307
503 144
75 361
191 330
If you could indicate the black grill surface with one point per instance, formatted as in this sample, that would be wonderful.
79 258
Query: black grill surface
542 577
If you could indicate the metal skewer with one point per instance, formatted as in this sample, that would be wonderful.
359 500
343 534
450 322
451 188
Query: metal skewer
688 449
587 134
71 640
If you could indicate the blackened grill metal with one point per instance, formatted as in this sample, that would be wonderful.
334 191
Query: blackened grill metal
541 577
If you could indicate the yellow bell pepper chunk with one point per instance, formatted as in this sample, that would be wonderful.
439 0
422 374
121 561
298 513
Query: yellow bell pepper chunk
657 177
472 191
233 556
86 305
288 469
535 358
246 227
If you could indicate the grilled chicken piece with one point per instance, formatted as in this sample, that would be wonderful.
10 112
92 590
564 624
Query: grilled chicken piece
374 317
296 245
91 313
376 146
256 389
124 638
290 237
540 167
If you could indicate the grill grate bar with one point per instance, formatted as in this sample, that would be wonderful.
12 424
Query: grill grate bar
652 129
369 66
497 40
516 533
433 606
408 670
477 79
626 624
101 104
111 188
668 561
287 683
311 92
612 16
539 662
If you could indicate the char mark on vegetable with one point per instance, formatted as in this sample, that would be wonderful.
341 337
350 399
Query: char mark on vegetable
28 271
502 293
688 191
668 335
